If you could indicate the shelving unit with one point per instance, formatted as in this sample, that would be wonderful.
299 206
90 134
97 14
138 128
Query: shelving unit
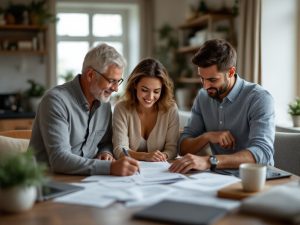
206 25
206 21
20 39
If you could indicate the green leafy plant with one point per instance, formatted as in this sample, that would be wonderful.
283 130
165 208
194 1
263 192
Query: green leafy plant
20 169
35 90
17 11
166 52
39 13
68 76
294 108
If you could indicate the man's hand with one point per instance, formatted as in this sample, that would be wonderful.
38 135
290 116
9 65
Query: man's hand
223 138
105 156
188 162
124 166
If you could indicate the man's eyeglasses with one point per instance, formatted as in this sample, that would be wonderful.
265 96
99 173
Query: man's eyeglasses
110 81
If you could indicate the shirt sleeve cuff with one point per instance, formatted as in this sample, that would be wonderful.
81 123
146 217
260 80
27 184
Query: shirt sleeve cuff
102 167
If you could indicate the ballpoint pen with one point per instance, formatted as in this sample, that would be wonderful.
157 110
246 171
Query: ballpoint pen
125 151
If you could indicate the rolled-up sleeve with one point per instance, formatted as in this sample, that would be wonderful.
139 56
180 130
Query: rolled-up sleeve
195 125
262 129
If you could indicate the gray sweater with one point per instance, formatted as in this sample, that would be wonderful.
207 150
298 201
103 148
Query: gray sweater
67 136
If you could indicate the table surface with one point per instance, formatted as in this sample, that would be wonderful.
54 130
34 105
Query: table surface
51 213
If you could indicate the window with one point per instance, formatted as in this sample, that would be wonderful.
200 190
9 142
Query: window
82 26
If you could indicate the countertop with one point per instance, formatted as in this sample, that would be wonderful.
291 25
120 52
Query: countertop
16 115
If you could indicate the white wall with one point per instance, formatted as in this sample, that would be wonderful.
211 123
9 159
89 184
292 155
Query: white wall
169 11
279 53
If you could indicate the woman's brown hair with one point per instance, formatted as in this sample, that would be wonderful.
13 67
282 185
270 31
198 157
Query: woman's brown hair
152 68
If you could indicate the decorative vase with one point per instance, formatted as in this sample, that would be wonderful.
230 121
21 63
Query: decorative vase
183 98
34 103
296 120
17 199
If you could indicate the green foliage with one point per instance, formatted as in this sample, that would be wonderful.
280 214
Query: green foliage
35 90
68 76
39 10
294 108
166 51
17 11
20 169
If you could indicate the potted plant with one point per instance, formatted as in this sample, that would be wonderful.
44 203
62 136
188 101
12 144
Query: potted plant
68 76
175 63
34 93
294 111
38 13
14 13
19 177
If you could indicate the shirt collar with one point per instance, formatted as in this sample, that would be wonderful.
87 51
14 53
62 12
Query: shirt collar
78 93
233 94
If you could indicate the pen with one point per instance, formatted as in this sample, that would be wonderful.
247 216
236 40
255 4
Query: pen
125 151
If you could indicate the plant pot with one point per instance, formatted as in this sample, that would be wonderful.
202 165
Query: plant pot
17 199
183 98
296 121
34 103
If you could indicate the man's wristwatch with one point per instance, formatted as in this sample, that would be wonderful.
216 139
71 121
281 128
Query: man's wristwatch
213 162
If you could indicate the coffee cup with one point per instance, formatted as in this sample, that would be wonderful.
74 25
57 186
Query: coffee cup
253 176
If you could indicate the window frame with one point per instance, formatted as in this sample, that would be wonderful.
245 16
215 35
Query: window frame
90 10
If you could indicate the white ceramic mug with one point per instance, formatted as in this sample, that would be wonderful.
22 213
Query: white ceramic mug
253 176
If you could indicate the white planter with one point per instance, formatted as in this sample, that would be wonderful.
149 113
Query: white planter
34 103
17 199
296 121
183 98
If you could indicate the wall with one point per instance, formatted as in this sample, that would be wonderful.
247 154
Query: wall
279 53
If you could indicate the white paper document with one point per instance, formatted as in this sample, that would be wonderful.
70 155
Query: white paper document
90 196
150 173
207 182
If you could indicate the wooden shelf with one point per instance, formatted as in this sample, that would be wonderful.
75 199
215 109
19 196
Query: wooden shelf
17 27
14 52
203 20
188 49
32 39
189 80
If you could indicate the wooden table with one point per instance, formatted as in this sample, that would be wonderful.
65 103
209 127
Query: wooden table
51 213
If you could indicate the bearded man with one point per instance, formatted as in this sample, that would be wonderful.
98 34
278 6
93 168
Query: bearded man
233 116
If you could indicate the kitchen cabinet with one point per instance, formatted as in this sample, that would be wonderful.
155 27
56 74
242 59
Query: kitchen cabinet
16 124
18 39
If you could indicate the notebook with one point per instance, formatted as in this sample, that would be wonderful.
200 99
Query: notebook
272 173
53 189
181 213
281 202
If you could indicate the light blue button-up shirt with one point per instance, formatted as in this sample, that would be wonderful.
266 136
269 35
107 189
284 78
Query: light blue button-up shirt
247 112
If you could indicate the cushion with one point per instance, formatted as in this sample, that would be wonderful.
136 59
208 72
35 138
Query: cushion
13 145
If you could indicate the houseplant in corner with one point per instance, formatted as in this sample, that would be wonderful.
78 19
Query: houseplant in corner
294 111
19 177
34 94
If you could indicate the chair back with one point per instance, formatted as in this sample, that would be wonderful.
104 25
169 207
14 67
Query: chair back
287 152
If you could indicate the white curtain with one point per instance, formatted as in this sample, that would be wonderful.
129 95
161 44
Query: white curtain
249 40
147 27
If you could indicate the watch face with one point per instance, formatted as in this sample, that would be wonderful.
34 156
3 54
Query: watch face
213 160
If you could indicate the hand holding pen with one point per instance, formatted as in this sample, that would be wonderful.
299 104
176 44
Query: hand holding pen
125 152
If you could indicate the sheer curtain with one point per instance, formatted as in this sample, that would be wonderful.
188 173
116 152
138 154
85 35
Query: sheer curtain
249 40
